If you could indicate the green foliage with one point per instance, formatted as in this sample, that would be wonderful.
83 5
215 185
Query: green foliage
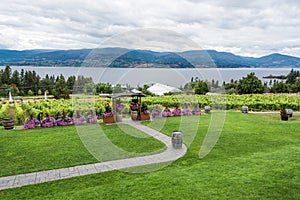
102 88
30 93
280 87
296 86
292 76
201 87
40 92
4 111
61 90
89 88
19 114
145 91
118 88
250 85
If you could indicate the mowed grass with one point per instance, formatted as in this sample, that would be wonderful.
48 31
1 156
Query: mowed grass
256 157
24 151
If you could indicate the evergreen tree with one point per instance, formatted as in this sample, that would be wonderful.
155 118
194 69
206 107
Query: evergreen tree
296 86
60 89
102 88
250 84
292 76
280 87
15 79
70 83
6 76
201 87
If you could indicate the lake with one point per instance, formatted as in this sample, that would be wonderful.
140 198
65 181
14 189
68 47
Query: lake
168 76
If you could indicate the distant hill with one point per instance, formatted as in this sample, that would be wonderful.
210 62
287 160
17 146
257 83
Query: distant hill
126 58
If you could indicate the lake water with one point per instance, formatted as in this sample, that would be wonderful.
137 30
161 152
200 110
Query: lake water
168 76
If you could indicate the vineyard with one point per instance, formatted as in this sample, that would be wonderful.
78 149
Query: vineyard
257 102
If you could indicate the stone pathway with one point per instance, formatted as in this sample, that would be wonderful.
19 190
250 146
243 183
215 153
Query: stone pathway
169 154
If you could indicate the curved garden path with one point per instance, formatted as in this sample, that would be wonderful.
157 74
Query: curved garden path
169 154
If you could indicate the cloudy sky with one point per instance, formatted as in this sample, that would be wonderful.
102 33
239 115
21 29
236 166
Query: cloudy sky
250 28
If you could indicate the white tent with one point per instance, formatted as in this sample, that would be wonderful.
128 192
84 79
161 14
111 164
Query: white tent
160 89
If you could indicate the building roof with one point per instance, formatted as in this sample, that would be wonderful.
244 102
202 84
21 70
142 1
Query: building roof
161 89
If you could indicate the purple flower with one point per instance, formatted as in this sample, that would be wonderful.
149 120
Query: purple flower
31 123
64 121
177 112
156 115
48 122
79 120
120 107
146 112
197 112
108 114
93 120
186 112
167 114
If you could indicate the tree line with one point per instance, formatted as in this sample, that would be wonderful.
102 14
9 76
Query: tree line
29 83
250 84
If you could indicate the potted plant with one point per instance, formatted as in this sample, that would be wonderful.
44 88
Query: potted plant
120 107
134 107
284 116
145 113
108 116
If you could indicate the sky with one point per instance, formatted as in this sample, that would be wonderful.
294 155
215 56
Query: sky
249 28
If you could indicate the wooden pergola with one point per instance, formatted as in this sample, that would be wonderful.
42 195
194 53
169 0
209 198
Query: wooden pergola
117 96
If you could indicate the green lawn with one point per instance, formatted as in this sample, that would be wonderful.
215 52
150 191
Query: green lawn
24 151
256 157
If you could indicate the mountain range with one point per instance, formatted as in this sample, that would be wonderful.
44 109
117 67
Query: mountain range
127 58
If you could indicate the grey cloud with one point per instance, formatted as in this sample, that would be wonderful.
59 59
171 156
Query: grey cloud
245 27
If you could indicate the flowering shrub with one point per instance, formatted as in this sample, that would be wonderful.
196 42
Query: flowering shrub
64 121
79 120
31 123
156 112
48 122
196 110
167 113
93 120
177 112
186 112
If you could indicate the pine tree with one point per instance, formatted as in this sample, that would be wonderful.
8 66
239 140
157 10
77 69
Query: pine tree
60 89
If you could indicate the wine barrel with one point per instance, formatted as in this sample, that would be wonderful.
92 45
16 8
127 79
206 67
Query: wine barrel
177 140
289 112
8 123
244 109
134 115
207 109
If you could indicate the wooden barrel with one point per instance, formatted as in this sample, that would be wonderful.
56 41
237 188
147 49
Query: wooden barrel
289 112
177 140
245 109
207 109
8 123
134 115
119 118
